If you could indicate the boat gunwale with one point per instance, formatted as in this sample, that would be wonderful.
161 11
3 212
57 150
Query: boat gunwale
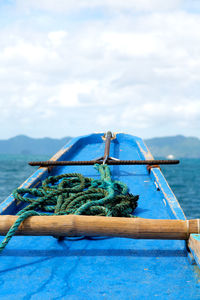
156 175
32 180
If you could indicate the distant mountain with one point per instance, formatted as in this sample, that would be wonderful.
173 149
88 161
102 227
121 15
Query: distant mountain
175 146
22 144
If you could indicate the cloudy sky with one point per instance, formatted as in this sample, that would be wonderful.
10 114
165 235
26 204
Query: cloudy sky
71 67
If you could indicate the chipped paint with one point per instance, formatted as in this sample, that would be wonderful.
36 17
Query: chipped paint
60 153
196 237
32 181
156 173
157 187
35 178
157 259
191 258
163 185
112 138
197 273
29 182
144 150
168 194
164 202
194 246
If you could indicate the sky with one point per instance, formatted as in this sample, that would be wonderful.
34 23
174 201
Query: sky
69 68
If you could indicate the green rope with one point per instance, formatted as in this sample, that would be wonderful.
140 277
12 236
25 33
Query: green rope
74 194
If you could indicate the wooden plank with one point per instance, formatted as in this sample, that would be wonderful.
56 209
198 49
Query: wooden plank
75 225
194 246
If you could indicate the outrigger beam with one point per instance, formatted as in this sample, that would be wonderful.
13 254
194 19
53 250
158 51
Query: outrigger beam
106 159
75 225
49 163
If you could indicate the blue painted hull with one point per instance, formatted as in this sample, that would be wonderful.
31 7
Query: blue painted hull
97 268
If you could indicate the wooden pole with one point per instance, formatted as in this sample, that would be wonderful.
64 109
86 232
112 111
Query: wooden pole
75 225
194 245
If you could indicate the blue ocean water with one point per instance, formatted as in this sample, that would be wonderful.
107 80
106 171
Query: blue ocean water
184 179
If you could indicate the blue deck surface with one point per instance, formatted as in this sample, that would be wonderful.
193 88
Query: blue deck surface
102 268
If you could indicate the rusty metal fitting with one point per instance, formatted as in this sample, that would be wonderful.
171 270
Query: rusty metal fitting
149 167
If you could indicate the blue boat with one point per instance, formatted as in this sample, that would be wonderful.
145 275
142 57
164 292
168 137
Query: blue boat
43 267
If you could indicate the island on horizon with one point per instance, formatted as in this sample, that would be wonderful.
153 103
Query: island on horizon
169 147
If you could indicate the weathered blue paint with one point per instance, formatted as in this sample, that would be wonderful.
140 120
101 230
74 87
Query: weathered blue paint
169 198
194 254
196 237
97 268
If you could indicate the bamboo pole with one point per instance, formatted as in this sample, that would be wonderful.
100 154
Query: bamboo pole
75 225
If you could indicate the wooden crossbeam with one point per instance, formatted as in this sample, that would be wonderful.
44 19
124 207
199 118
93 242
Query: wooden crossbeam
75 225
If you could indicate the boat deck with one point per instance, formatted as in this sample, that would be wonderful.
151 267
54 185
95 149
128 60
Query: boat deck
102 268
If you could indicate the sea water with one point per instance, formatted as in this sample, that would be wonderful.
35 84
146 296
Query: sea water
184 179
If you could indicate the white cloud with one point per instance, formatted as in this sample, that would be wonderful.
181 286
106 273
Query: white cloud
70 5
136 72
57 37
105 120
131 44
68 93
24 51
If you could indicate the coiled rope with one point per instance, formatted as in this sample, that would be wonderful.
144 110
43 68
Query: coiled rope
74 194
